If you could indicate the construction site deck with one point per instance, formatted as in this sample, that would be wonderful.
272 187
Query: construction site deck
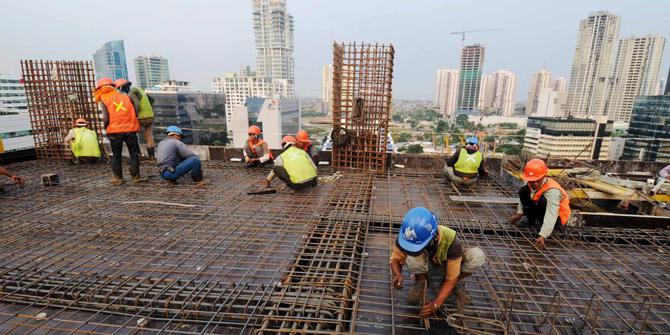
84 257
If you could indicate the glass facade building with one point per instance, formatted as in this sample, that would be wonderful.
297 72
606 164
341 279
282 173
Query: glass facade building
201 116
648 136
110 61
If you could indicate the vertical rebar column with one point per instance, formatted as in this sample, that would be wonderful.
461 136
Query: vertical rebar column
362 78
59 92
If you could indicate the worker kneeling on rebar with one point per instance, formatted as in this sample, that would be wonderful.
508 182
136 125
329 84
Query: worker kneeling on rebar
83 143
543 202
175 159
466 165
293 166
424 245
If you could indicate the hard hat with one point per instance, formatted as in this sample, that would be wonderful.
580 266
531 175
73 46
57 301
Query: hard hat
104 81
472 140
288 139
302 136
80 122
174 130
254 130
534 170
417 229
120 82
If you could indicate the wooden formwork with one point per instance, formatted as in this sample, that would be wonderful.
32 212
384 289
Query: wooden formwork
58 93
362 78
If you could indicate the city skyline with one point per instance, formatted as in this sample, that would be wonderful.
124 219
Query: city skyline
524 45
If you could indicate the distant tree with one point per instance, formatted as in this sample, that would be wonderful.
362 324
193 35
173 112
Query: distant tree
428 137
521 134
441 126
480 127
508 125
489 138
397 118
462 120
402 137
509 149
415 149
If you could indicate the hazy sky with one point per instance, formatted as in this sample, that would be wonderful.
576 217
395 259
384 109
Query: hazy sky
206 38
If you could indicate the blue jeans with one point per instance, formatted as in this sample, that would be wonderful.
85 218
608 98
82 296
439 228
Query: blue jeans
191 164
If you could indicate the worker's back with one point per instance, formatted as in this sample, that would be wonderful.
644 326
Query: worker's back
298 165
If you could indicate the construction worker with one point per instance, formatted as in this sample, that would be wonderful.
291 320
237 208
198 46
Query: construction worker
145 113
466 165
120 120
83 143
293 166
175 159
542 201
304 142
18 180
424 245
256 151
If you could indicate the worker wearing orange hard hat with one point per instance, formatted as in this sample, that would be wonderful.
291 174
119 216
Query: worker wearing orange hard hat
542 201
256 150
145 112
119 116
83 142
293 166
304 143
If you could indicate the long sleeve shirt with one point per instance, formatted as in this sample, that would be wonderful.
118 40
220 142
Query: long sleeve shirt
553 197
665 172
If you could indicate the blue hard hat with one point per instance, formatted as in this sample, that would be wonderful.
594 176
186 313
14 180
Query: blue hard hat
472 140
174 129
418 228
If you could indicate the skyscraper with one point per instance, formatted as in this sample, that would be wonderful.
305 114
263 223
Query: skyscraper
559 84
446 90
110 61
273 28
638 61
472 62
587 91
15 129
497 93
667 84
151 71
540 80
327 84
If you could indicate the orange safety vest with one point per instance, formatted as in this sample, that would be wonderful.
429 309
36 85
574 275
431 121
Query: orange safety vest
122 117
563 206
260 142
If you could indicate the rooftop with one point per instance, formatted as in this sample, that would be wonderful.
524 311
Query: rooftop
87 258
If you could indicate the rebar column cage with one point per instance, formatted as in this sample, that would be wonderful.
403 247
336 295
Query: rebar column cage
362 78
58 93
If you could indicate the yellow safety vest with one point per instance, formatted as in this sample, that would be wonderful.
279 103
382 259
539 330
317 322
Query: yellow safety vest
468 163
298 166
146 110
448 236
85 143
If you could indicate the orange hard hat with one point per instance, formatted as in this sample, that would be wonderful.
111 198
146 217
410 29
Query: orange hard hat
535 169
287 139
80 122
254 130
120 82
302 136
104 81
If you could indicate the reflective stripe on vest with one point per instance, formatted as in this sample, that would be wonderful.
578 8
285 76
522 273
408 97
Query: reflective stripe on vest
122 118
297 164
145 106
259 143
468 163
564 205
85 143
447 237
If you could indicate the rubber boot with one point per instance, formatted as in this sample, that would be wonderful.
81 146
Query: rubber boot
152 154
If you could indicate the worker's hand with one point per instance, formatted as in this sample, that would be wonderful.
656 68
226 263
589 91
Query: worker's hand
265 183
515 218
539 243
19 181
247 159
397 281
429 309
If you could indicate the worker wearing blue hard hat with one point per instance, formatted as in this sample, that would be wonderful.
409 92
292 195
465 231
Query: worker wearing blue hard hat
466 165
175 159
422 245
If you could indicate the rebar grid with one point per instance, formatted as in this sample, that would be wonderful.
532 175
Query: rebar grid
59 92
310 262
362 77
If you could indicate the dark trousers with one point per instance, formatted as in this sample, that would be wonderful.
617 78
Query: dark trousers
534 211
281 173
133 146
